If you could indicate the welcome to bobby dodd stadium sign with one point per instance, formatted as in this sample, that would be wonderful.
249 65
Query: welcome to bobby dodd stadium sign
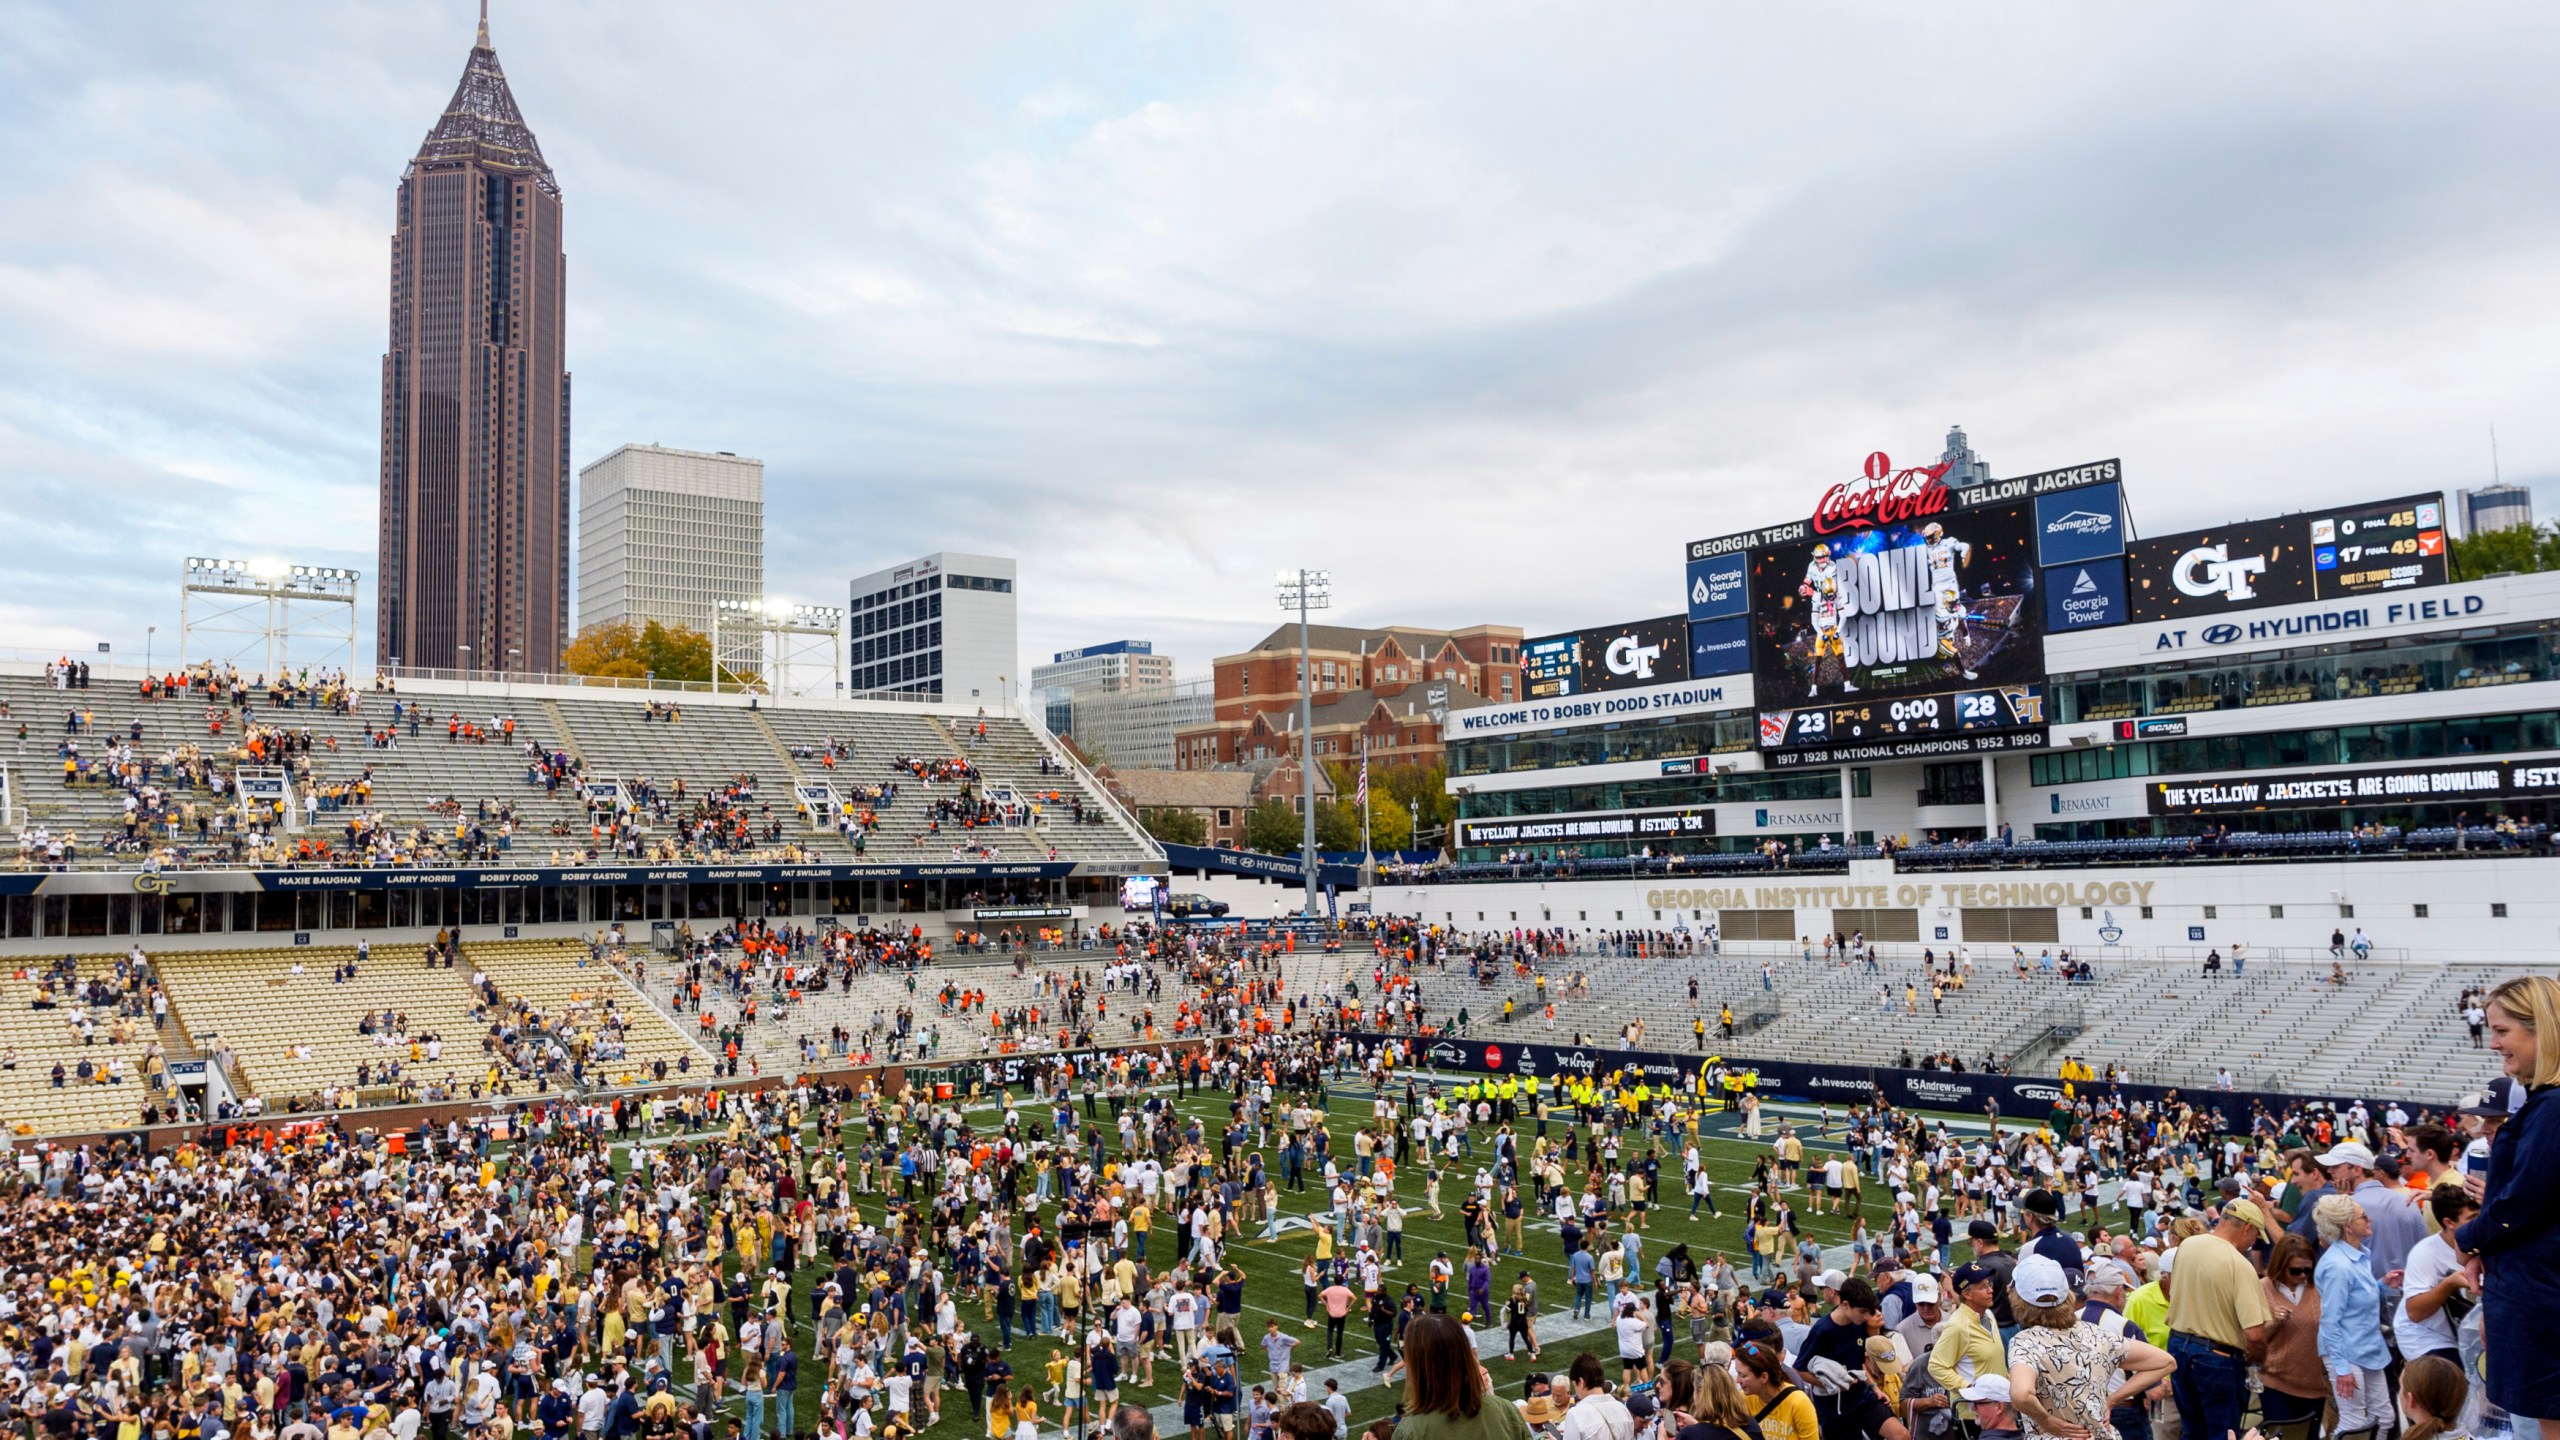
161 882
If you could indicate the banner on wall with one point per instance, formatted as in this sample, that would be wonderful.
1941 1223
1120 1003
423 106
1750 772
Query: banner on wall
1795 1080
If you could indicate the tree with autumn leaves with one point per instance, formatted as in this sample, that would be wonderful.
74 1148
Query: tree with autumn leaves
620 650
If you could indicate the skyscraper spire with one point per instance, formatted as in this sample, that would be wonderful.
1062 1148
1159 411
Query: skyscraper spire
482 122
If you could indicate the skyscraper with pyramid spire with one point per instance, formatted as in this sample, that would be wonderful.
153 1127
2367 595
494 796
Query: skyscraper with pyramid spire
474 557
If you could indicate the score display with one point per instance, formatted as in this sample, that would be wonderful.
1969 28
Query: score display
1888 722
2389 545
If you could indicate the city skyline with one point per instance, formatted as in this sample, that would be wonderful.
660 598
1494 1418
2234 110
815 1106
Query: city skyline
1361 293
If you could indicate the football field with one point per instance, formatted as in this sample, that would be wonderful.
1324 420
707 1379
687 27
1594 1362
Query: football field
1270 1253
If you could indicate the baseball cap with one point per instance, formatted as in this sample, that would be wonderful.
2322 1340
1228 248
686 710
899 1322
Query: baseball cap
2247 1209
2168 1261
2039 1280
1970 1274
1924 1289
2042 1202
1982 1230
2106 1275
2349 1152
1829 1280
2499 1100
1987 1386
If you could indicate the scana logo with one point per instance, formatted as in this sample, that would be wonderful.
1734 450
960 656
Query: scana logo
1629 656
2209 570
2046 1093
2081 522
2220 634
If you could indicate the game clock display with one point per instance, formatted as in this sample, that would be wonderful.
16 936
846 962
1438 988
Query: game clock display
1912 717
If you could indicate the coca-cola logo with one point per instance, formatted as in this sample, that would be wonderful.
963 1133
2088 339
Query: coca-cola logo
1883 496
1493 1057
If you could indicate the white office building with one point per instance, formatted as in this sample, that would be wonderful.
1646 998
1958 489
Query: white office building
667 535
942 625
1119 702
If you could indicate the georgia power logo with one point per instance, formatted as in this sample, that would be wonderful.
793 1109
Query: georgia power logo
1629 656
2081 522
1493 1057
2209 570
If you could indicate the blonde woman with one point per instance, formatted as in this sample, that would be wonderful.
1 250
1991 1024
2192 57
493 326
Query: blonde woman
2511 1249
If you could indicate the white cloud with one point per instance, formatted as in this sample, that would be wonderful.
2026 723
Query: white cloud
1486 307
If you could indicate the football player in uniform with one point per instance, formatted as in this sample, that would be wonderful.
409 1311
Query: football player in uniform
1944 555
1822 587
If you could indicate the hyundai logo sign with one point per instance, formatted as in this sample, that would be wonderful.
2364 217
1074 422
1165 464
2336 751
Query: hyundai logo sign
2221 634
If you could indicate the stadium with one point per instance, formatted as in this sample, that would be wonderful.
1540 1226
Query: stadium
1877 908
1838 999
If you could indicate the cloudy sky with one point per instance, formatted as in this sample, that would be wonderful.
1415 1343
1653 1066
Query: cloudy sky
1484 307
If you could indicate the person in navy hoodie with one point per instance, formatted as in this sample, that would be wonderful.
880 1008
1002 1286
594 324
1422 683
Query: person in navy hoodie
2512 1247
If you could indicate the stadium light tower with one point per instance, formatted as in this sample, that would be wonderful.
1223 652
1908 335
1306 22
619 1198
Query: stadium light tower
229 608
797 632
1302 591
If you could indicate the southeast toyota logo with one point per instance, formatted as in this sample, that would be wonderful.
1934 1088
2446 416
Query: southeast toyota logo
1493 1057
2221 634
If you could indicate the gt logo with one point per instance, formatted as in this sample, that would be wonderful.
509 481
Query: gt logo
2209 570
1628 656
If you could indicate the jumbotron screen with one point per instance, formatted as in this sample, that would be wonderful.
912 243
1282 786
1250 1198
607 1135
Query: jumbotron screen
1915 636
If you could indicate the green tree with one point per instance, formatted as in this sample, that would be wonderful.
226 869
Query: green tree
1272 828
1423 790
675 652
1176 826
2521 549
1337 827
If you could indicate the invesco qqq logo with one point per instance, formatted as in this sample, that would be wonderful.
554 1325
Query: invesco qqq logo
2209 570
1629 656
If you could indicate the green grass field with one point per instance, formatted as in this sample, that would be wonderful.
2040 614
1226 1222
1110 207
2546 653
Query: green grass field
1273 1287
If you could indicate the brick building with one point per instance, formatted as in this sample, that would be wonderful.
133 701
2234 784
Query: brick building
1221 798
1392 685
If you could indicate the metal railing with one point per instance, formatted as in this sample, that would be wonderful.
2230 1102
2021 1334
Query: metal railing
732 684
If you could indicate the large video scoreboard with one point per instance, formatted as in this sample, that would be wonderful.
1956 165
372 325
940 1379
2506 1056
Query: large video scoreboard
1907 616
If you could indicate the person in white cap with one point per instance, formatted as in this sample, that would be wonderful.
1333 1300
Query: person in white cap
2397 1225
1989 1396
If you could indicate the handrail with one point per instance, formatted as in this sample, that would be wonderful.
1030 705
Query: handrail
1038 726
